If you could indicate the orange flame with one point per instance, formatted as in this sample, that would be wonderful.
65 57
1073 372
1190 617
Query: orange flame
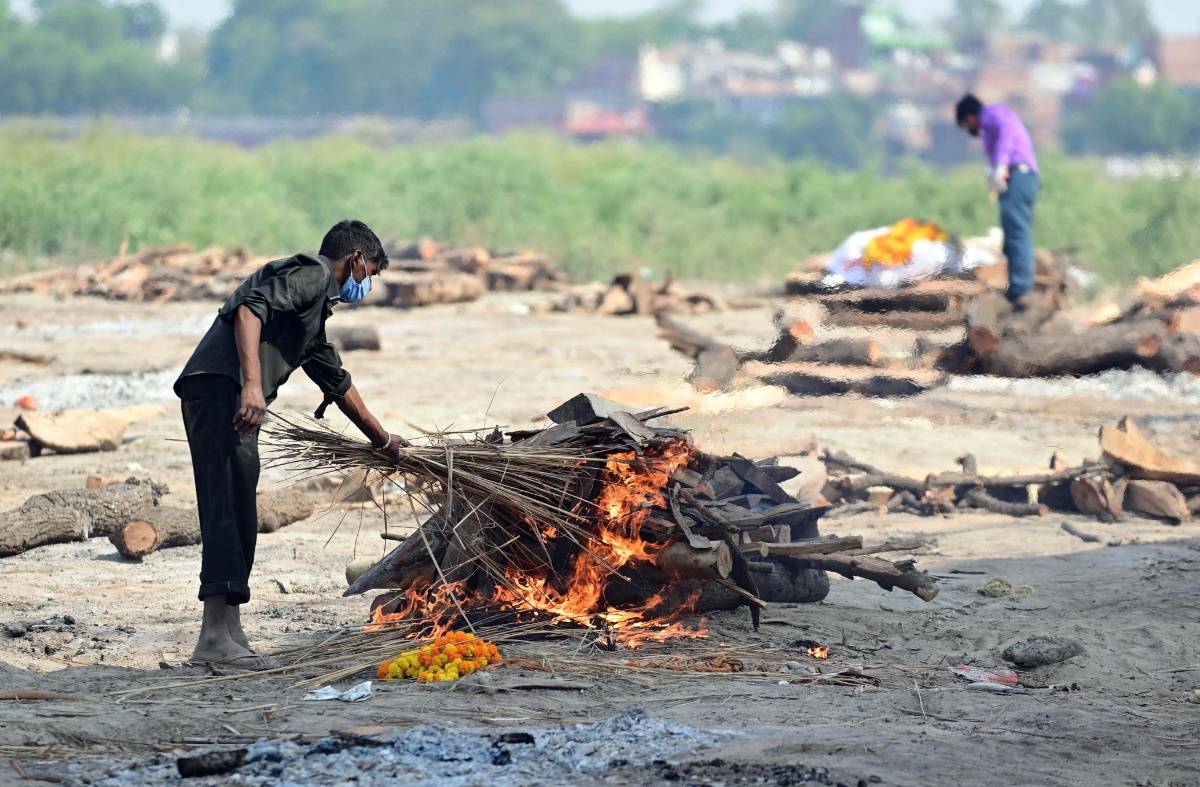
420 603
819 651
632 487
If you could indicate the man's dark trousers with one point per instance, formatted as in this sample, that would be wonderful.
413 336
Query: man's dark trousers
226 468
1016 219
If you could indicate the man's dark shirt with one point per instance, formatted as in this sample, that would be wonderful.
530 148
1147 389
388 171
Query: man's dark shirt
293 298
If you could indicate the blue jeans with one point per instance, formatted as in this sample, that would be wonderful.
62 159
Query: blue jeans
1016 219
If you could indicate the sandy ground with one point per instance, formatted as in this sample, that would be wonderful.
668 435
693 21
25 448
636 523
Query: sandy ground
1126 712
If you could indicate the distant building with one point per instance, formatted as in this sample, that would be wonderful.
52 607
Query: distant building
588 121
707 70
1178 59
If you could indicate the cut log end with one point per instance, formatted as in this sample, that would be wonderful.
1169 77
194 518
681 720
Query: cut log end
135 539
681 560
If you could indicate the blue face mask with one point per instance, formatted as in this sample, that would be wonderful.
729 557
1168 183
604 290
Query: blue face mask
354 291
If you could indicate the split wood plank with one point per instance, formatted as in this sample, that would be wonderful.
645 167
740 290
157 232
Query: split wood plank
1125 444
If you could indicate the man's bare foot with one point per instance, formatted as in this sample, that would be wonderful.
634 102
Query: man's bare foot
222 641
223 652
233 620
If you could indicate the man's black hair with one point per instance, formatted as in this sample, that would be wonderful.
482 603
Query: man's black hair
350 235
968 106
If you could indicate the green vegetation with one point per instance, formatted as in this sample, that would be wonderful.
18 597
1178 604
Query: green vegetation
596 208
86 56
1127 118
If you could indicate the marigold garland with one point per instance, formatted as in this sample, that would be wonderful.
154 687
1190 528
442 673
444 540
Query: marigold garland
446 659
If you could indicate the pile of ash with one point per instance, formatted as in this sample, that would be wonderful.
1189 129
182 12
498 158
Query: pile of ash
420 755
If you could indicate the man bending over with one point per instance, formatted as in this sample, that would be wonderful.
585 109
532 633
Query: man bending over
273 324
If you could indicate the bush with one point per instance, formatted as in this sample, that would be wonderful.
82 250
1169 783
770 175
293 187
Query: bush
598 209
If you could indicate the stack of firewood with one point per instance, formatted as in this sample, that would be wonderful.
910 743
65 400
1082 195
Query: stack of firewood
1042 341
424 272
600 516
930 305
1130 477
1173 298
631 293
421 273
156 274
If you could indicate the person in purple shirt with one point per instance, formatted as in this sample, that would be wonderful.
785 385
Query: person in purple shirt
1014 177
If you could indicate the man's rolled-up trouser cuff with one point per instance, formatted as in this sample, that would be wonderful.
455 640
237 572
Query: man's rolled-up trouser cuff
234 592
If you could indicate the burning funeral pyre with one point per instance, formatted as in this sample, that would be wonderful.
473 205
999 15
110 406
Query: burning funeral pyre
606 521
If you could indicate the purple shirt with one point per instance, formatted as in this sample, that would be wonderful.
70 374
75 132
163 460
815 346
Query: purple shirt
1005 139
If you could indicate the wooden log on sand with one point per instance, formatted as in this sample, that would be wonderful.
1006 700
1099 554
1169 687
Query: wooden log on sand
793 344
1115 346
990 319
1096 496
411 290
846 352
14 450
156 528
348 338
74 514
812 379
163 527
1158 500
683 338
280 509
716 362
979 498
715 369
791 336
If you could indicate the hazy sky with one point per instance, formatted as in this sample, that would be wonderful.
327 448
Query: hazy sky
1170 15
